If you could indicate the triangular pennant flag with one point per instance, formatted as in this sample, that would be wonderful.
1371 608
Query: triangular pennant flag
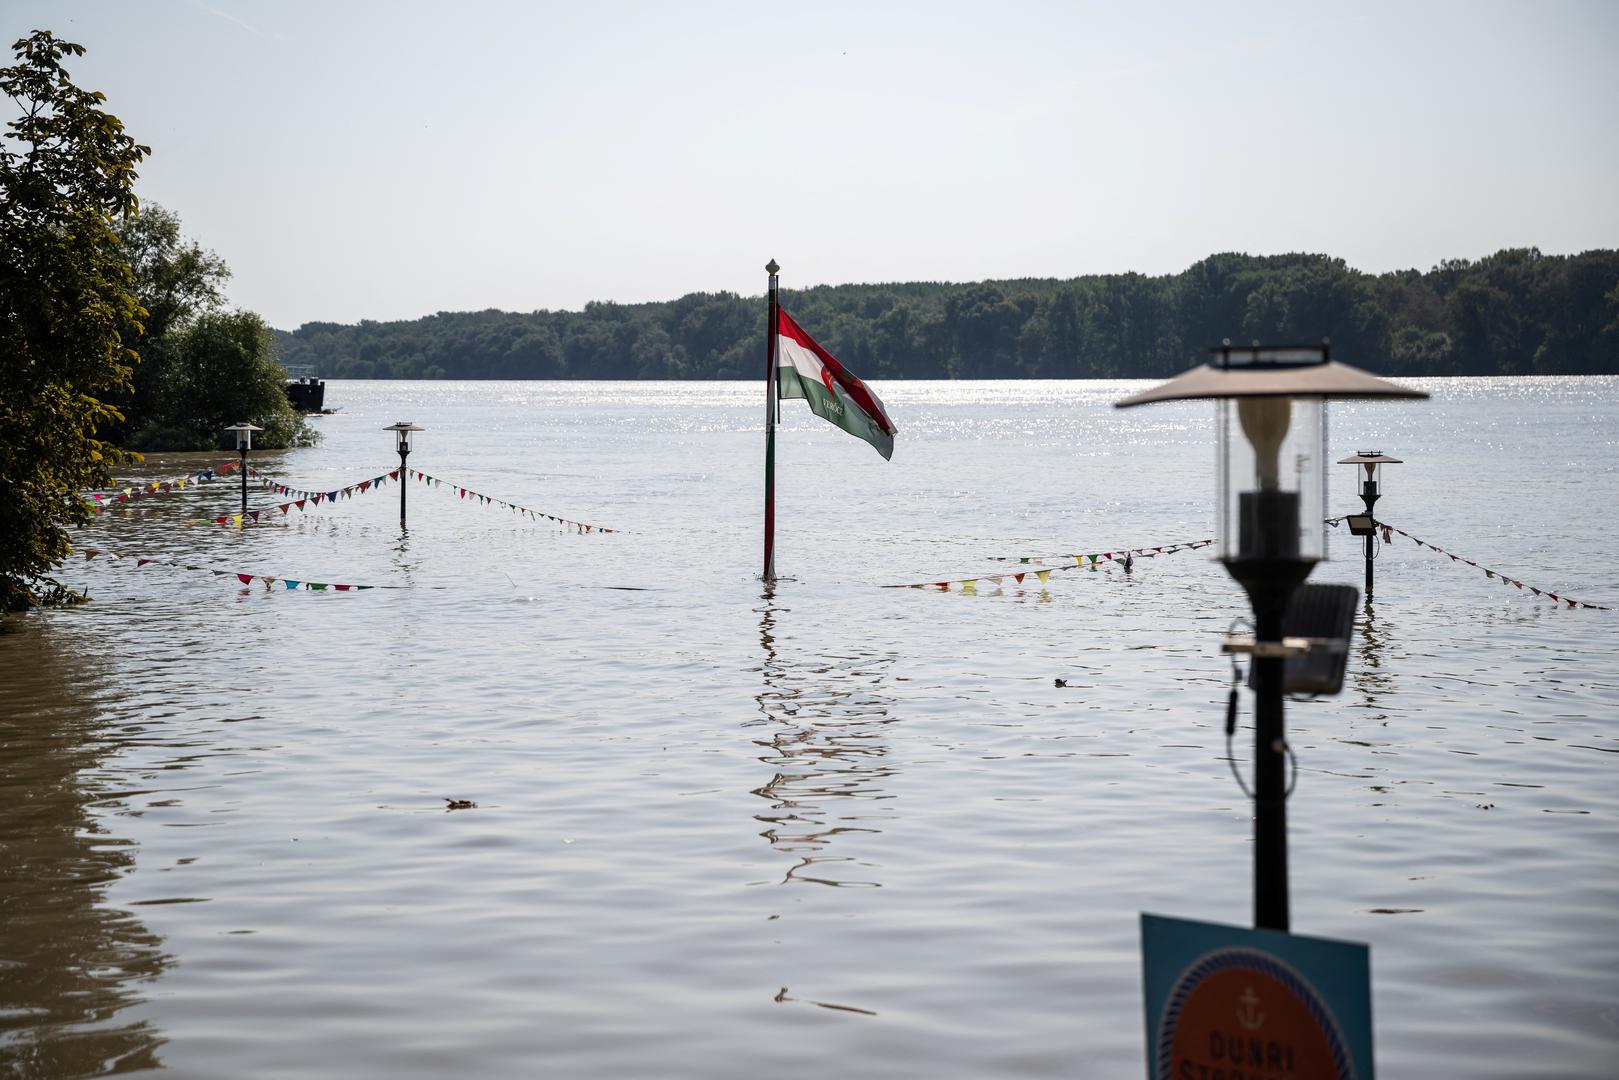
996 578
1018 578
365 485
142 562
943 586
290 583
317 586
300 503
394 475
254 514
342 588
245 579
1043 575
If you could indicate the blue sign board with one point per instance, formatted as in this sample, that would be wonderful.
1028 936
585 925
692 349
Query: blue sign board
1230 1003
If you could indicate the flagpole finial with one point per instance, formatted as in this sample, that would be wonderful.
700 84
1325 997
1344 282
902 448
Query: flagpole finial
771 268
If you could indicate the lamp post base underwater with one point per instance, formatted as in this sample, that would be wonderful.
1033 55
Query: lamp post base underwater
1365 525
402 430
244 443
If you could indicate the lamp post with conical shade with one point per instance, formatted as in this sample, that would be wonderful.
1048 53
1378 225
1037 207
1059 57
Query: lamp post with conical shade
403 429
1365 525
244 443
1271 430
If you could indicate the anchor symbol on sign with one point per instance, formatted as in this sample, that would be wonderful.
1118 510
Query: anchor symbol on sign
1249 1015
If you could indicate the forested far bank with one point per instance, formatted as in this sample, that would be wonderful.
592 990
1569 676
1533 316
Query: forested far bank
1517 312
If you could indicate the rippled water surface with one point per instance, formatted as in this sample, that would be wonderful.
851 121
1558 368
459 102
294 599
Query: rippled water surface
835 830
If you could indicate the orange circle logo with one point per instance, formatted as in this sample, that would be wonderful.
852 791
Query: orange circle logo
1238 1014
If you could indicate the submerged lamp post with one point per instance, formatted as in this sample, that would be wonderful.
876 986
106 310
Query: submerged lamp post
1365 525
244 443
402 429
1271 425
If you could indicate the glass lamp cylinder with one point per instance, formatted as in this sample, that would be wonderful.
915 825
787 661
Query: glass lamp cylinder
1272 478
1372 478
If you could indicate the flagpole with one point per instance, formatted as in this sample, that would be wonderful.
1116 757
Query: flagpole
770 428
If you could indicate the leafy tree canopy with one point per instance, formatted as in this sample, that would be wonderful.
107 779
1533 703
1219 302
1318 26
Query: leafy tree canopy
1516 312
202 367
69 313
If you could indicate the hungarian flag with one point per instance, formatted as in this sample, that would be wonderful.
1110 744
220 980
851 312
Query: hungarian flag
805 370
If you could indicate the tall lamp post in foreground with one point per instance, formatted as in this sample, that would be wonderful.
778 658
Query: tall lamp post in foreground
244 443
1365 525
402 429
1271 426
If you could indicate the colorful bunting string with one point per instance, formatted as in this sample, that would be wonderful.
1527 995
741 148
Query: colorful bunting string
305 499
432 481
317 497
246 579
1388 532
122 497
1125 557
488 500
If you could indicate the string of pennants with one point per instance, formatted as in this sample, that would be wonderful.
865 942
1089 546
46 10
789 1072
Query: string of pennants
115 498
304 500
267 580
1388 532
522 511
416 474
1125 557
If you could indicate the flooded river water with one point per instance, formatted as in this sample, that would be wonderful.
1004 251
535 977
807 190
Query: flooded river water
829 830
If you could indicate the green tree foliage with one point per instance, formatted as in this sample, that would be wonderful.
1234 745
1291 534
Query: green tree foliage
222 370
67 173
201 368
1516 312
174 280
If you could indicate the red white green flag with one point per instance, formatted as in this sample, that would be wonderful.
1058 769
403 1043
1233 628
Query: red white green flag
805 370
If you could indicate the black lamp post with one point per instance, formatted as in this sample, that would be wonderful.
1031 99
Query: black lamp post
1365 525
402 429
244 443
1271 419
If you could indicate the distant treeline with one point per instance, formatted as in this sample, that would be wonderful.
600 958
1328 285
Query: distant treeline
1517 312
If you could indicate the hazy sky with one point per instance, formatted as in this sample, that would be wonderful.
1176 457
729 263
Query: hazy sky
390 160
